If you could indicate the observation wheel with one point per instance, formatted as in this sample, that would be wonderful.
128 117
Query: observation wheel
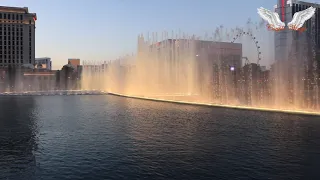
253 38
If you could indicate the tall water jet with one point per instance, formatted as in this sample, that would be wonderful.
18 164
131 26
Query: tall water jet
215 69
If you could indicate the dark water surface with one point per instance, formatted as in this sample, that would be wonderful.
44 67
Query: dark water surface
109 137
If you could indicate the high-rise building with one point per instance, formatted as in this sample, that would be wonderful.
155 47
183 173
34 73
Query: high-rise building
295 53
289 43
17 36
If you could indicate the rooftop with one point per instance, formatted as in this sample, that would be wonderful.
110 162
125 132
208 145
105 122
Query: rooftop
40 58
200 41
314 4
24 10
14 9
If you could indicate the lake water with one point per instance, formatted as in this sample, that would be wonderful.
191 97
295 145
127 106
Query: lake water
109 137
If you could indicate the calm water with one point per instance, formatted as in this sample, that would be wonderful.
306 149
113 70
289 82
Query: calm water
108 137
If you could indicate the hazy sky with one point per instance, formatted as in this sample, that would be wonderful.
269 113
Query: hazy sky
104 29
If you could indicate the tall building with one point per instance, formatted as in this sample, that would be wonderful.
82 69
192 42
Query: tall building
17 36
43 63
289 43
295 53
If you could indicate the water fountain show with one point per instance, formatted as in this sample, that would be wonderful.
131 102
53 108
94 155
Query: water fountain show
221 68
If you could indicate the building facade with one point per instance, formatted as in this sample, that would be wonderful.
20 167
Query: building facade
289 43
295 56
17 36
43 63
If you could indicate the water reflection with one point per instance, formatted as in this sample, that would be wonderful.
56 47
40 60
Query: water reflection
194 140
109 137
18 138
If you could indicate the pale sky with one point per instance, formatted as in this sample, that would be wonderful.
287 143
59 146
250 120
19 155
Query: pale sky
100 30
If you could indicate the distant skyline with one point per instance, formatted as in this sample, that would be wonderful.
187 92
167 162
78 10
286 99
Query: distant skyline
101 30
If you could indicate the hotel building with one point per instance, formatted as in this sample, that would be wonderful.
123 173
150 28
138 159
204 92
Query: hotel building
17 36
295 56
289 43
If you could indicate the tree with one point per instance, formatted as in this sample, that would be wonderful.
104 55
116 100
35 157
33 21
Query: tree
67 71
58 74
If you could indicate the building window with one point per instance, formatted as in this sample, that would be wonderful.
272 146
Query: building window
21 61
21 17
5 16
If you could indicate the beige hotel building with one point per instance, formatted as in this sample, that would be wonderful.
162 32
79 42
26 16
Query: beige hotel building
17 36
